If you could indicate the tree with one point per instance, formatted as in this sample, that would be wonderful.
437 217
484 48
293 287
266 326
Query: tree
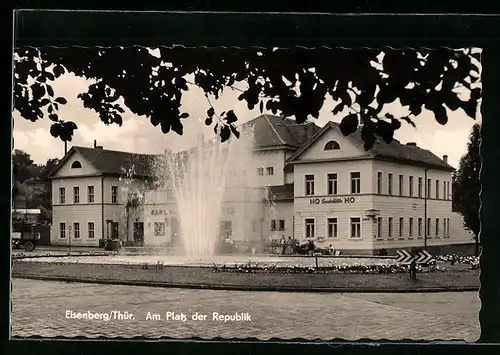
23 166
46 169
466 185
293 82
132 192
32 188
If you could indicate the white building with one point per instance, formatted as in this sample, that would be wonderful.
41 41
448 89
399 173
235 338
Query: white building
89 199
325 188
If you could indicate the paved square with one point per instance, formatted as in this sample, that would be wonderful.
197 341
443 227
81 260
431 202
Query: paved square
40 308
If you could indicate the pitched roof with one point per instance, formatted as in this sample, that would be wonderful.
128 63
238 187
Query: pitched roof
270 132
112 162
273 131
395 151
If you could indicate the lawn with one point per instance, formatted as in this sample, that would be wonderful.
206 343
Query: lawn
184 276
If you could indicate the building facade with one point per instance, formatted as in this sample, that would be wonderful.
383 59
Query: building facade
316 185
360 201
89 196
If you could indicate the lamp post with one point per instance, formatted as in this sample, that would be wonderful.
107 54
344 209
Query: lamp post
426 226
69 239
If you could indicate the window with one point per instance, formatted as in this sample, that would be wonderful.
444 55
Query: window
332 145
228 210
419 187
159 228
332 228
76 165
309 185
400 185
76 230
445 187
428 227
428 192
447 227
389 184
332 184
278 225
91 230
270 170
226 228
437 227
437 189
389 227
254 225
90 194
419 227
62 230
379 182
114 194
448 193
410 227
62 195
410 186
401 225
355 227
169 194
355 183
260 171
379 227
76 194
309 223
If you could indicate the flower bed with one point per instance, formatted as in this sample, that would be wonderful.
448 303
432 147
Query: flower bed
473 261
357 268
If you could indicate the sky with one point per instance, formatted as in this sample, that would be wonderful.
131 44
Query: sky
137 134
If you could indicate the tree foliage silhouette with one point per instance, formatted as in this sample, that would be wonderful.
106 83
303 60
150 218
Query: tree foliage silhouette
31 186
292 82
466 185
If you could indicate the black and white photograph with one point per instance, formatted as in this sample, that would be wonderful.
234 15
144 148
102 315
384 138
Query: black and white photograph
246 192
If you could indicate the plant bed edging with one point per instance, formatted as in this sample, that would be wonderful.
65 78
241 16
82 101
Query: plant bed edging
244 287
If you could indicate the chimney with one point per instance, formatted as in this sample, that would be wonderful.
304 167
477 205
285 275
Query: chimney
411 144
95 143
445 159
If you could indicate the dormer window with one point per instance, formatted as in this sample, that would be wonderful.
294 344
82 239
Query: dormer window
332 145
76 165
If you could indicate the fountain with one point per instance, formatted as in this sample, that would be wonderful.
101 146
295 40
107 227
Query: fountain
207 179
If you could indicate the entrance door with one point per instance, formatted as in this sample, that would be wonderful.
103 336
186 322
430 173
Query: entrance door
139 232
114 230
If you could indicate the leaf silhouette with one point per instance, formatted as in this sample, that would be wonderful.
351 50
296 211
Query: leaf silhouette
349 124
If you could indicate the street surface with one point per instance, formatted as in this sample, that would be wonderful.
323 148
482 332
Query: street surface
52 309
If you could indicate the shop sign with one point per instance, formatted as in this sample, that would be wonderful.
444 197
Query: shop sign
335 200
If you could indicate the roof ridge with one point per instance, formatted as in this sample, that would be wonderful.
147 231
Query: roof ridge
274 129
112 150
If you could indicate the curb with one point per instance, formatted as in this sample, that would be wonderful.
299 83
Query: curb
229 287
20 257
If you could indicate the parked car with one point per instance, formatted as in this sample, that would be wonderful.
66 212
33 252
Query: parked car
24 236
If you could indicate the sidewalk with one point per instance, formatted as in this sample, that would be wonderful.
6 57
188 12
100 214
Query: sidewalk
65 248
56 250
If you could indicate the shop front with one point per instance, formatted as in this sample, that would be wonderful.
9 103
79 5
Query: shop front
345 223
